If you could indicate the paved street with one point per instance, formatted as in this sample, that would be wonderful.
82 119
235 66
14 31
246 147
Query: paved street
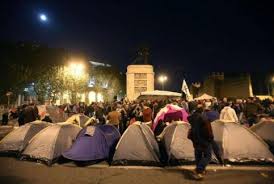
21 172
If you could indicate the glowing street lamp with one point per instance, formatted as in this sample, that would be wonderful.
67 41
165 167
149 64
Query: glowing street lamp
271 86
8 94
162 79
76 69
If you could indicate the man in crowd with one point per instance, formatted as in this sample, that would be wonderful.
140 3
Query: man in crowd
30 113
201 136
211 113
147 115
114 117
228 113
251 110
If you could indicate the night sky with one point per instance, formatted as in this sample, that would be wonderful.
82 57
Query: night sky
191 37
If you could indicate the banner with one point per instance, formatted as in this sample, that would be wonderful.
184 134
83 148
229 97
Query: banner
185 90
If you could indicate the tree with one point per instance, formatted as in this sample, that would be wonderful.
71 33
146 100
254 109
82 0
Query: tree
49 83
75 80
23 63
57 80
15 80
107 81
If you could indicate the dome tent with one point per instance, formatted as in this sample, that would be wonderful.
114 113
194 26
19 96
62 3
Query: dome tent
166 111
93 144
158 95
137 146
205 97
78 119
239 144
265 129
50 143
18 139
54 112
5 130
178 147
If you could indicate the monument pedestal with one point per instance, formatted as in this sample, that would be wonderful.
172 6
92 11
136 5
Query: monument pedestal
140 78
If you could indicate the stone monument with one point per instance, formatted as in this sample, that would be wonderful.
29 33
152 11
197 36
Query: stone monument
140 76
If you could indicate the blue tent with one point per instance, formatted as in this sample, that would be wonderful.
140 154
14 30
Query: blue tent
94 143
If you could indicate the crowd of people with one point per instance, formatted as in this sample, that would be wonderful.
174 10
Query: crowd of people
122 113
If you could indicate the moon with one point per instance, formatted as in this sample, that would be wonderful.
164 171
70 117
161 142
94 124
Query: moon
43 17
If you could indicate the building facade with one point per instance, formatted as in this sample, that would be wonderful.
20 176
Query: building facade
99 88
222 85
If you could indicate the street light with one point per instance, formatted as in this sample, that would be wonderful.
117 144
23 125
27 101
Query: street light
271 86
76 69
75 78
162 79
8 94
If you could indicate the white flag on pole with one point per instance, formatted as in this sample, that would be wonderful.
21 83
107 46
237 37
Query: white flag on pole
185 89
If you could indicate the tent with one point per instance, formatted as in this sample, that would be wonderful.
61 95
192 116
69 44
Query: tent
55 113
158 95
169 109
265 129
5 130
13 122
78 119
137 146
94 143
49 144
178 147
239 144
205 97
18 139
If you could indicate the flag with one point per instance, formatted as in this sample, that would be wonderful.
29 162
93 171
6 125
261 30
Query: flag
185 89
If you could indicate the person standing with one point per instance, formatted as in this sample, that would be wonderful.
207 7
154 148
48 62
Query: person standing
228 114
147 116
201 136
251 111
29 114
211 116
114 117
5 117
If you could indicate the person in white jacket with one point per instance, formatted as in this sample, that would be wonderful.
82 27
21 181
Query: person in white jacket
228 114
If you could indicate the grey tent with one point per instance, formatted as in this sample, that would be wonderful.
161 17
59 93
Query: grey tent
178 147
265 129
54 112
78 119
50 143
13 122
5 130
18 139
239 144
137 146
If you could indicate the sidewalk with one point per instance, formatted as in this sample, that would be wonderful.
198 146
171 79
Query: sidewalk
15 171
185 167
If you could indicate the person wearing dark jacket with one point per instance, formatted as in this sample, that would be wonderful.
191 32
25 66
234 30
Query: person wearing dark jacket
29 114
211 116
47 118
5 118
201 136
251 110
